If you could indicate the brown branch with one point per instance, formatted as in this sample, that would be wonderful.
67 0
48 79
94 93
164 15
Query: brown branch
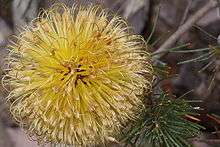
185 27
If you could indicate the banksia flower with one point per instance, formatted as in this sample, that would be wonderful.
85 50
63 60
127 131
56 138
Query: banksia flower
77 75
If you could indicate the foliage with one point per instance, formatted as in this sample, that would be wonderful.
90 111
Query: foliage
164 124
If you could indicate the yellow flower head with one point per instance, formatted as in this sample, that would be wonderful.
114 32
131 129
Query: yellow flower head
76 75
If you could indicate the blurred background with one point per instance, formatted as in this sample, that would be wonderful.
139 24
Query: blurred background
141 14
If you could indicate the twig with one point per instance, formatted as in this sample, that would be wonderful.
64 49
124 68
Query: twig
186 26
186 12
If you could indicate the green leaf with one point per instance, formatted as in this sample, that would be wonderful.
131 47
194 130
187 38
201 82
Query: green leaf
164 125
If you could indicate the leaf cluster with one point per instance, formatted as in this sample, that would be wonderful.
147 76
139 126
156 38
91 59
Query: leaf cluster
164 124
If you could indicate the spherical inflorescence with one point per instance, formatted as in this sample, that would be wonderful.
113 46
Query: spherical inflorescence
76 74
